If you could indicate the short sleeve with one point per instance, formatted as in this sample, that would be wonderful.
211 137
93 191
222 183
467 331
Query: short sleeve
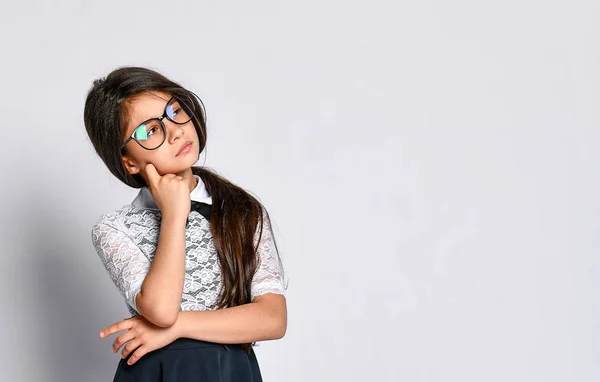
269 276
123 259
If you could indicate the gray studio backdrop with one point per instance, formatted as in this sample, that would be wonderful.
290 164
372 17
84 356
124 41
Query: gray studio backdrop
431 169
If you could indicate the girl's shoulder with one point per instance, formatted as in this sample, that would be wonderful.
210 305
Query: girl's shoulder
124 217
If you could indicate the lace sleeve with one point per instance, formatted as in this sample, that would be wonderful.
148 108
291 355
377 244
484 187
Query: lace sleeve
268 277
125 262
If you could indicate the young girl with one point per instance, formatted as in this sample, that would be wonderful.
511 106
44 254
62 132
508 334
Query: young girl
193 255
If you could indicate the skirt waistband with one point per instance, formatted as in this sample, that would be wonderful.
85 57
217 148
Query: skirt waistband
190 343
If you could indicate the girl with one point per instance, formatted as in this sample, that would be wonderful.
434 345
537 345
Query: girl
193 255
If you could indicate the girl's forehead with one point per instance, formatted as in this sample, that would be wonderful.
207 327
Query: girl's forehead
146 105
149 99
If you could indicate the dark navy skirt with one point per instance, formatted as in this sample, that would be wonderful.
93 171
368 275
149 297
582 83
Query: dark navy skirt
191 360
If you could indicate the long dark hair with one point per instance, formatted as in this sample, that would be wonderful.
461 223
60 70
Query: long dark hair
236 214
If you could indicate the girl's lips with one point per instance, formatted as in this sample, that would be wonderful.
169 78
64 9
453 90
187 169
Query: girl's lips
185 148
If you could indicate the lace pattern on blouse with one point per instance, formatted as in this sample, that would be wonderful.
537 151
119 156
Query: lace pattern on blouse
126 241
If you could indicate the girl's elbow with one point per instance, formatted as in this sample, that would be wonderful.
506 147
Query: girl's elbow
164 319
160 317
167 318
165 322
274 305
279 328
280 333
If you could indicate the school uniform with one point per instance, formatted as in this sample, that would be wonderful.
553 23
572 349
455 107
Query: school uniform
126 240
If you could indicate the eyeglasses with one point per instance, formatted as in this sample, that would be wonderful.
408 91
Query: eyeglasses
151 134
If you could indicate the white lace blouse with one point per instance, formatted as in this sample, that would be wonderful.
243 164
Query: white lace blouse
126 240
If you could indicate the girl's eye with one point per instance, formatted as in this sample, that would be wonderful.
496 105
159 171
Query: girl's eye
175 111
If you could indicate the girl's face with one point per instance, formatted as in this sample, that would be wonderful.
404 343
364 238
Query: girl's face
165 158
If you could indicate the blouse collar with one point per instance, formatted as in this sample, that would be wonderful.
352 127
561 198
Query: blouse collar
144 198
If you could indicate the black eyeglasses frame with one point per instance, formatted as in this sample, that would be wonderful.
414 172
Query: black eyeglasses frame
162 124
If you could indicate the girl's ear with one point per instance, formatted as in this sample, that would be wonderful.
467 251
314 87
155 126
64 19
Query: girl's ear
131 166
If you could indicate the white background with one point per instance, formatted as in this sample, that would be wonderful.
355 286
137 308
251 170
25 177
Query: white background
431 169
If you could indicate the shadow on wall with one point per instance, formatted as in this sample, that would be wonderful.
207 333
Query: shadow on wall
72 306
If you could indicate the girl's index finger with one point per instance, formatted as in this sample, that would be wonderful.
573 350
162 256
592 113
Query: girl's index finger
121 325
152 174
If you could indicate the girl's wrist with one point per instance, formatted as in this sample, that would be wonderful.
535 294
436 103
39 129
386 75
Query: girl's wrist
177 326
172 219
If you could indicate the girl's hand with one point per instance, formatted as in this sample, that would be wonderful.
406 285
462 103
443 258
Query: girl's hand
170 192
141 334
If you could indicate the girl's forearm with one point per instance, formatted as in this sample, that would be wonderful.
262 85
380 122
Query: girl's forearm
239 324
160 298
